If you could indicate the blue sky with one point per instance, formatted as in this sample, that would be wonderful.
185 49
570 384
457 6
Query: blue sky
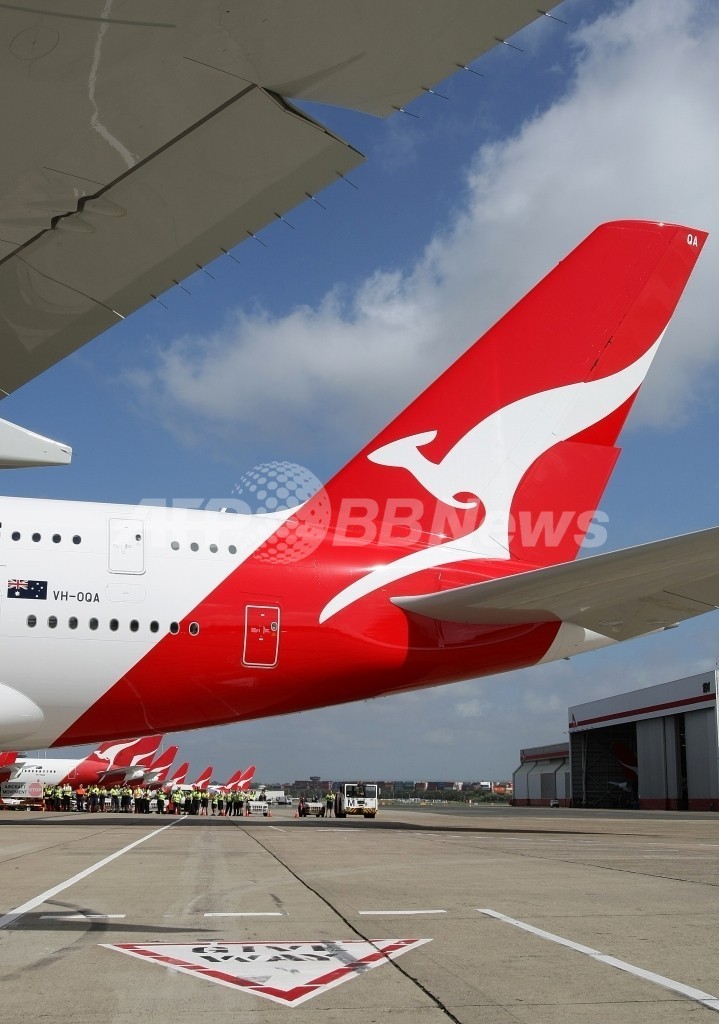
310 343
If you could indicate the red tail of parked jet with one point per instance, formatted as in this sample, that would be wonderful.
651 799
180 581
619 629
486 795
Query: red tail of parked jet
156 775
245 780
444 550
128 753
238 780
178 779
203 779
7 760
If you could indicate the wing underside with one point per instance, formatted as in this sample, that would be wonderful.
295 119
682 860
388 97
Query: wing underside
620 594
141 141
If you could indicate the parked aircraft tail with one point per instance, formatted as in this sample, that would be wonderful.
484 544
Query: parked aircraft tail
203 779
245 780
128 753
178 779
7 760
504 458
160 768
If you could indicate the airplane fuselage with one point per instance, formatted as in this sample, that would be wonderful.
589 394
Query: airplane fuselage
122 620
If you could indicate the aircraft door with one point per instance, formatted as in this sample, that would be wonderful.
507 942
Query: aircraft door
126 546
262 636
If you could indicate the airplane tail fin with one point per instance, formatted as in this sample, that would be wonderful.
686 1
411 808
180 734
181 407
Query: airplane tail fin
245 780
233 780
160 768
128 753
203 779
504 458
7 760
178 779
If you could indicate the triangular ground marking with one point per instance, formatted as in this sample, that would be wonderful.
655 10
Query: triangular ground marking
285 972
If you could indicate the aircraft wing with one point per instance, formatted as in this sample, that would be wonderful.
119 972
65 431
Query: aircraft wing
141 141
620 594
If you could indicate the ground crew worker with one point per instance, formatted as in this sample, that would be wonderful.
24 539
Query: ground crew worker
214 804
80 797
204 802
102 797
115 799
329 803
160 797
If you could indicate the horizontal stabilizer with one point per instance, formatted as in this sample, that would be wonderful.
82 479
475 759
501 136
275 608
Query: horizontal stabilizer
22 449
620 594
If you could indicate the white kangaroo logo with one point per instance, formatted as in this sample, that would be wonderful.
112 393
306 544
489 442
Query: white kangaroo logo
112 753
489 462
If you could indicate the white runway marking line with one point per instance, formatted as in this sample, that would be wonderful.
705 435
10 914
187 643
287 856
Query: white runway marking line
705 998
391 913
14 915
247 913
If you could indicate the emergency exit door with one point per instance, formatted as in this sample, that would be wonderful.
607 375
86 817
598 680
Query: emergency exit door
262 636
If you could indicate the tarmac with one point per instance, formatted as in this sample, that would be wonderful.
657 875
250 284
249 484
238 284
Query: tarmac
496 915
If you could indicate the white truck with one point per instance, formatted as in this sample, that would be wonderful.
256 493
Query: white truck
273 796
357 798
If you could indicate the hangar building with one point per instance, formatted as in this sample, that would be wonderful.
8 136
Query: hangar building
656 748
543 776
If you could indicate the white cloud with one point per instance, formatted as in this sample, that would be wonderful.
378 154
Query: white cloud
475 708
633 136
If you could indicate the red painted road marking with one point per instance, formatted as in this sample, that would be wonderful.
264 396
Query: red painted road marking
285 972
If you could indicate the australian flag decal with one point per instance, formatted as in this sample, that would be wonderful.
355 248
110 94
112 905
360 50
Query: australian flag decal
30 589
